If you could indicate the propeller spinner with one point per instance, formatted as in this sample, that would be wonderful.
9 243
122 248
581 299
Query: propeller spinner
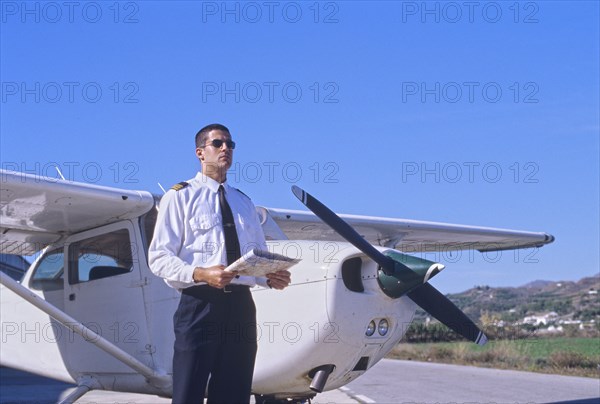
397 279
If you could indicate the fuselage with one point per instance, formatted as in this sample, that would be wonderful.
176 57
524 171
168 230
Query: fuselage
101 278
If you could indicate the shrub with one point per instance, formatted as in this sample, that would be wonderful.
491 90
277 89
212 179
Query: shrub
566 359
439 353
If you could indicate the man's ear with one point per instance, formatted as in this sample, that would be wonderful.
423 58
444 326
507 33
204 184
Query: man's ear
200 153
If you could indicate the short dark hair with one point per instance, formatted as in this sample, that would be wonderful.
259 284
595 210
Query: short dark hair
203 133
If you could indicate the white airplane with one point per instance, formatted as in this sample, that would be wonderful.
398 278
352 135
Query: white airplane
89 311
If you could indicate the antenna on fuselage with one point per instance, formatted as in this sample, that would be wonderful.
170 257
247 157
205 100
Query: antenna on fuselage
59 173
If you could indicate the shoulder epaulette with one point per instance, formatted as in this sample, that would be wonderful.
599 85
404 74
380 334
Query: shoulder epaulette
180 186
241 193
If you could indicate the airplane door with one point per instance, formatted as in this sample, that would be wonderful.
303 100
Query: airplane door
104 291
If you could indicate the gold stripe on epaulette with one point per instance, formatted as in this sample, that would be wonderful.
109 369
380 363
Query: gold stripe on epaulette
180 186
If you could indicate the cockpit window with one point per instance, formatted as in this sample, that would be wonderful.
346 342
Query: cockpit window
48 275
100 257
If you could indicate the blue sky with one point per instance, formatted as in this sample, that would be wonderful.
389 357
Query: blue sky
481 113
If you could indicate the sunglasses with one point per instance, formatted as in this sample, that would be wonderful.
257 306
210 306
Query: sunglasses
218 143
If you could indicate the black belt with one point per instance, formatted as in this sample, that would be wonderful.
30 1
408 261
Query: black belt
203 290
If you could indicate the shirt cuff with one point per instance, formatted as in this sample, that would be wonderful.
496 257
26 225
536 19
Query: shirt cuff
262 281
244 280
188 273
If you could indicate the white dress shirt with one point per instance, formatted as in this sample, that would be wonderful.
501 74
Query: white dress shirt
189 232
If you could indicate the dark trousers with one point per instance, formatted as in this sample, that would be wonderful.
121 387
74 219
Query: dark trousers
215 336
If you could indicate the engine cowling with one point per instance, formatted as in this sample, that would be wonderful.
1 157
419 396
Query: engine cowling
404 280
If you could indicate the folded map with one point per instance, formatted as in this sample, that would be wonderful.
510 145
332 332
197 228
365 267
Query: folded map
257 262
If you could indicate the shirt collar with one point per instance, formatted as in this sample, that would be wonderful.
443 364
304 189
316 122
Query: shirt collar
210 183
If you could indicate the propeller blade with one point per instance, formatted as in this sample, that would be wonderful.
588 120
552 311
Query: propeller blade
345 230
426 296
439 306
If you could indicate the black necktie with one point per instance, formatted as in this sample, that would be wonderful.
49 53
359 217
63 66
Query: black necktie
232 244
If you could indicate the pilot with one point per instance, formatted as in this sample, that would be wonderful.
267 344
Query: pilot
203 225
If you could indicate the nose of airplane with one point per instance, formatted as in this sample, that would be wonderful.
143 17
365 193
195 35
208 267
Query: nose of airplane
394 272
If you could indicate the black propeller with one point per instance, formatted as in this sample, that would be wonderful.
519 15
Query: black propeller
426 296
345 230
439 306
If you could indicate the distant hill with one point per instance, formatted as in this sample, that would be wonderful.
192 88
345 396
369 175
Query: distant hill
537 284
570 300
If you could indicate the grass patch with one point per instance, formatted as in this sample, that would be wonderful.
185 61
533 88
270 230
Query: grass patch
566 356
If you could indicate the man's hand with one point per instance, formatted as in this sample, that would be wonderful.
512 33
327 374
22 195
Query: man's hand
279 280
213 276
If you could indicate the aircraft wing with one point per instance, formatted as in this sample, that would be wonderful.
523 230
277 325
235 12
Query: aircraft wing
401 234
36 211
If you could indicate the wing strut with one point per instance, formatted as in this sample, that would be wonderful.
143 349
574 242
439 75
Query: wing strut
84 385
161 381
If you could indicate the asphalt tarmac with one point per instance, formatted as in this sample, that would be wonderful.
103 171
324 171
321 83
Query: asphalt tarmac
18 387
389 381
394 381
